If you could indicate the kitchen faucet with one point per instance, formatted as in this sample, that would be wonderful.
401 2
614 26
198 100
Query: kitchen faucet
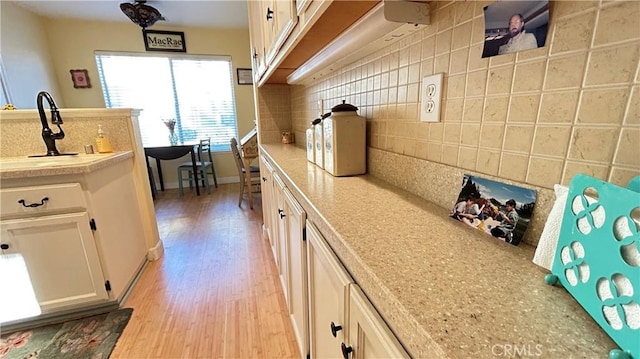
49 136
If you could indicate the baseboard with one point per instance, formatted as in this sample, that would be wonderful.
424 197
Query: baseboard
133 282
155 253
221 180
61 316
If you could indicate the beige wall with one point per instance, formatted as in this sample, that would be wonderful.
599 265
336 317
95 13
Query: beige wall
26 56
537 117
90 36
71 45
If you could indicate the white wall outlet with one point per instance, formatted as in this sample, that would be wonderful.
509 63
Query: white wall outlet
320 107
431 98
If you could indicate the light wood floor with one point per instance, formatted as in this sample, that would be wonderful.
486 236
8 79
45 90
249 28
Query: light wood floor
215 293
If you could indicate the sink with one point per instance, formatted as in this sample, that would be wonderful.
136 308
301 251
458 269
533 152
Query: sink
19 163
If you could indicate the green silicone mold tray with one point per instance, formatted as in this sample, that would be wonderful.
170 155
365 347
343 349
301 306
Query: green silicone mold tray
597 258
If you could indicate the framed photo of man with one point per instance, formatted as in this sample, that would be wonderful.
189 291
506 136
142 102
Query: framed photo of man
513 26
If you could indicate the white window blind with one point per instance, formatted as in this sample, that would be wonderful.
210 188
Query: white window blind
195 91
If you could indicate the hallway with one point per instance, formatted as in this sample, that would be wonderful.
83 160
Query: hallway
215 293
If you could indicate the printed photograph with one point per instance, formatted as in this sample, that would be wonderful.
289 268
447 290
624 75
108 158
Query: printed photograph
499 209
512 26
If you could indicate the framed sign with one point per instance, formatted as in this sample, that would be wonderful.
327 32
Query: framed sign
172 41
245 77
80 79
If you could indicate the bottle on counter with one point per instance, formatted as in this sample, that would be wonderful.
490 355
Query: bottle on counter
319 139
102 142
311 142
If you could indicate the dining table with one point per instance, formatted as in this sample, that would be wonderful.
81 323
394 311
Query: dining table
172 152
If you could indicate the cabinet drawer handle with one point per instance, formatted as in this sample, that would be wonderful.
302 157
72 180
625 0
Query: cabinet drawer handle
281 212
269 14
4 246
335 329
32 205
346 350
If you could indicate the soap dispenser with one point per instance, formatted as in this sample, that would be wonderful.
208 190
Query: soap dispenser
102 141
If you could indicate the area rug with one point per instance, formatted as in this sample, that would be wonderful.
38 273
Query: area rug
87 338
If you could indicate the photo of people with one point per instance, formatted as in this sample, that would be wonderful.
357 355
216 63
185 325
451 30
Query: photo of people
499 209
512 26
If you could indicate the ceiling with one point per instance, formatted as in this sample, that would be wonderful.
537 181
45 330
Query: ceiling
228 14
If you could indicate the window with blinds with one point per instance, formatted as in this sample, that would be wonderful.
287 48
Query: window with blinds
196 91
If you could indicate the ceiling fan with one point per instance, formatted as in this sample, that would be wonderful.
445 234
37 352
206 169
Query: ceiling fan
141 14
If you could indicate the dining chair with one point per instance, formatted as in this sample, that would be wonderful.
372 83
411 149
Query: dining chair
204 165
152 182
254 172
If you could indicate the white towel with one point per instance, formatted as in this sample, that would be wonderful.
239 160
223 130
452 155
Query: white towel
546 249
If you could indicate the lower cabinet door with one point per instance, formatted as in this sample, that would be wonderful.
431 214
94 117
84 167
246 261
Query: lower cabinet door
281 239
328 297
61 258
369 336
296 218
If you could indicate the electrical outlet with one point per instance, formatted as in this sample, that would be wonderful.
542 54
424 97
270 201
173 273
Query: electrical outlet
320 107
431 98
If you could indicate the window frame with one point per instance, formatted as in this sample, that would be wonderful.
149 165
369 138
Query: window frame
221 147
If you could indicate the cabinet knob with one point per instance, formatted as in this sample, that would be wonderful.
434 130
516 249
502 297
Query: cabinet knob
264 179
281 213
335 329
346 350
4 246
269 14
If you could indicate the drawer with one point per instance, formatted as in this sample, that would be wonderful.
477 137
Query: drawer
60 198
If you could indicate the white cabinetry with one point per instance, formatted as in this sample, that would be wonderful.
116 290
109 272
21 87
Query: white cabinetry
342 321
59 249
330 315
284 220
76 232
292 259
297 268
328 297
281 18
369 336
269 208
271 22
257 31
281 235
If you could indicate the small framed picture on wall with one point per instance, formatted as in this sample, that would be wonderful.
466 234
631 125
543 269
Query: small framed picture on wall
80 79
245 76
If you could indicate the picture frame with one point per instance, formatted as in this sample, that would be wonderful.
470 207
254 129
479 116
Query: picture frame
245 76
167 41
499 209
80 79
513 26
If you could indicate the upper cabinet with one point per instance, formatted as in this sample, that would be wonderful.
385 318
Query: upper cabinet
278 27
270 23
280 19
257 30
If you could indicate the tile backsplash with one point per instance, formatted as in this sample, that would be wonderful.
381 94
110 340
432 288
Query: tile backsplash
20 130
537 117
534 118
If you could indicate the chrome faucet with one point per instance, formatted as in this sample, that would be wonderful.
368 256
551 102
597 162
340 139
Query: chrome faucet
49 136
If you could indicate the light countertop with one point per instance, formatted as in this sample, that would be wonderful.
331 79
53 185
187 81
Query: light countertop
27 167
445 289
